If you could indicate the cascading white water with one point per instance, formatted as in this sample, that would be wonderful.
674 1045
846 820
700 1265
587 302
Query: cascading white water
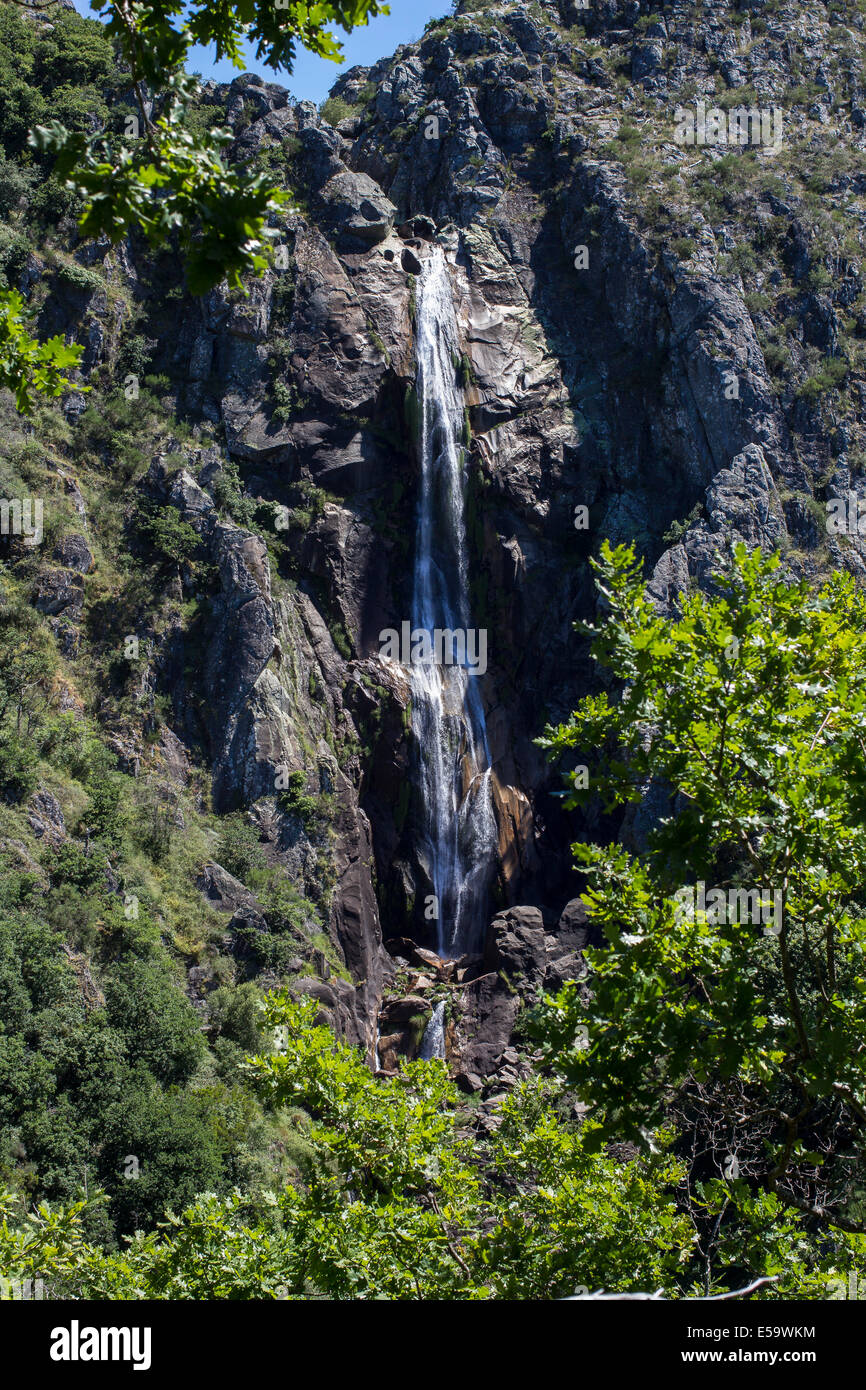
433 1041
459 829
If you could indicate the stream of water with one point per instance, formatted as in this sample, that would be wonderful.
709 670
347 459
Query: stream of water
433 1041
459 829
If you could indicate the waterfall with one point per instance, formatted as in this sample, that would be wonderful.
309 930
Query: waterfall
433 1041
459 835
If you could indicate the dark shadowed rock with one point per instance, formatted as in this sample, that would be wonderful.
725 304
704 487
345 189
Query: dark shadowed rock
74 552
488 1013
60 593
404 1010
574 929
515 944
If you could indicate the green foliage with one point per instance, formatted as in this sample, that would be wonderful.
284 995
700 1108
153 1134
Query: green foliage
80 277
399 1202
285 398
19 767
829 378
677 529
13 254
229 495
629 135
237 1014
171 181
144 1002
749 710
395 1197
206 1253
335 110
392 1201
176 1154
64 70
27 367
239 849
172 537
63 1066
29 660
174 179
15 186
296 801
70 866
175 182
684 247
103 816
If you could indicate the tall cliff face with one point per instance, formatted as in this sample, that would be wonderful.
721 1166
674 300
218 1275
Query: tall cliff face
661 341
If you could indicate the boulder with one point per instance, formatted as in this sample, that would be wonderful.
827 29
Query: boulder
488 1014
74 553
574 929
222 890
515 944
356 207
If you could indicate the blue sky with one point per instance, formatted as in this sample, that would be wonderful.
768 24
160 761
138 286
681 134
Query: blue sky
313 77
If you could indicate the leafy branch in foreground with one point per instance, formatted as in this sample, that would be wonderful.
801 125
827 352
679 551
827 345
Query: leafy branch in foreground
28 367
169 181
397 1195
403 1200
739 1008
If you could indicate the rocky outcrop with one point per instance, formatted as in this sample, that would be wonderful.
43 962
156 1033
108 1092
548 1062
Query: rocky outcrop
45 816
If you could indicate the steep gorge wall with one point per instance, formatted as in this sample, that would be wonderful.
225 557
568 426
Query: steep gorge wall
602 387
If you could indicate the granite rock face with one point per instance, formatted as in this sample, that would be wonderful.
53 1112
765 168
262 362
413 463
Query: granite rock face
639 358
